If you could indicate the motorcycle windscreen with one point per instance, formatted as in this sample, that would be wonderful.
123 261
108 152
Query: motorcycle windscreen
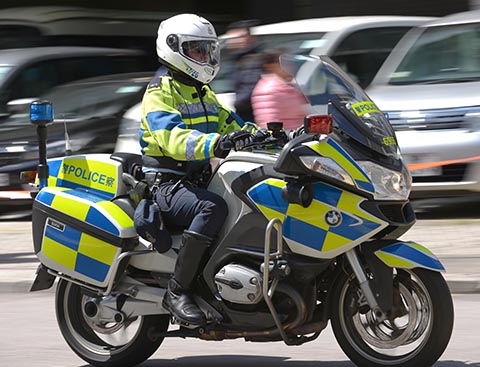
330 90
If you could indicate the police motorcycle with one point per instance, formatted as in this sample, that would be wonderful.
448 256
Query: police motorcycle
312 236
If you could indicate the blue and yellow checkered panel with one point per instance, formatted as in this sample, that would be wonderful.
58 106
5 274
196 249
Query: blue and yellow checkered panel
308 226
79 251
86 207
409 255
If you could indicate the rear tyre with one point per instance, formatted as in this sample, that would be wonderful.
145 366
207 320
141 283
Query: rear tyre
126 343
416 334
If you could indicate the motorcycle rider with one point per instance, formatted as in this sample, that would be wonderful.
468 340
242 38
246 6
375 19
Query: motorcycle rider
183 126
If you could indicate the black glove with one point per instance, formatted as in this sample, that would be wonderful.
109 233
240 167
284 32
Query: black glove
260 135
235 140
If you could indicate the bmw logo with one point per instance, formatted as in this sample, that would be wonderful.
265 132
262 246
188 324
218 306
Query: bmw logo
333 218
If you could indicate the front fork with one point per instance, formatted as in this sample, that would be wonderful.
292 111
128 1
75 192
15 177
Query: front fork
365 286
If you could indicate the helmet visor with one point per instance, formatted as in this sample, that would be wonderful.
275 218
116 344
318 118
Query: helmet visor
202 51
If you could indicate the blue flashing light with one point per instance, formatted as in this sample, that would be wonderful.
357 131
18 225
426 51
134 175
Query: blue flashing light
41 112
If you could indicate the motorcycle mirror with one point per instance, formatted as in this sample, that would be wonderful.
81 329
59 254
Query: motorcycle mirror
318 124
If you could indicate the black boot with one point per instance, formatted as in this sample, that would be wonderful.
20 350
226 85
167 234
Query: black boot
178 299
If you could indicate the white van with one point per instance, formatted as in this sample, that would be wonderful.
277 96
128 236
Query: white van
430 88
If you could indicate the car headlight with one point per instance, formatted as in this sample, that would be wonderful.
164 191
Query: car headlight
389 185
328 167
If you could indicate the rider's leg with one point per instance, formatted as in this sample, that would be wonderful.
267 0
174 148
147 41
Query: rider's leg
179 296
203 213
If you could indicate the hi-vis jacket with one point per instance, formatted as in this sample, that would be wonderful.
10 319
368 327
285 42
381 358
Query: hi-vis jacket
183 123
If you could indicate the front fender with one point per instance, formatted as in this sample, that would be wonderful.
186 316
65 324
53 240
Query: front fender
409 255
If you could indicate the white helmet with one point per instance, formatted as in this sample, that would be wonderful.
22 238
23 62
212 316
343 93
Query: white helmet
189 44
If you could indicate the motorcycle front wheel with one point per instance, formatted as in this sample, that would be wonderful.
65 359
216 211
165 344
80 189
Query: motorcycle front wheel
417 331
102 344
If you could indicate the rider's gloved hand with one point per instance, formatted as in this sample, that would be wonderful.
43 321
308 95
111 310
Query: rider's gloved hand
260 135
235 140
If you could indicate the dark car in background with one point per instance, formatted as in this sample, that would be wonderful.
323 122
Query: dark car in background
31 72
61 25
88 111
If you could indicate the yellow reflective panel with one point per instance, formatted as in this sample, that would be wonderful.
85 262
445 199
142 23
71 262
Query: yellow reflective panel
60 254
333 241
97 175
270 213
97 249
420 248
71 206
117 214
362 108
314 214
393 261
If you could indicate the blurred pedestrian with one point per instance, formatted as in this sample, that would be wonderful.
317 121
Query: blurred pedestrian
275 97
247 70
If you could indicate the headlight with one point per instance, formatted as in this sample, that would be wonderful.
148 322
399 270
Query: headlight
328 167
389 185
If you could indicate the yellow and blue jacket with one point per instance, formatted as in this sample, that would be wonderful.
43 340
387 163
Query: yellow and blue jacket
183 122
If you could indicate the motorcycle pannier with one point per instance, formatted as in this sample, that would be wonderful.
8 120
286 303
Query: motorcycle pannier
78 230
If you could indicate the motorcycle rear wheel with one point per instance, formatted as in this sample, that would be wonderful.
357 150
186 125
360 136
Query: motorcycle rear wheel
126 343
417 335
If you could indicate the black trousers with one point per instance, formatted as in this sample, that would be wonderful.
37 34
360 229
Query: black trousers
192 208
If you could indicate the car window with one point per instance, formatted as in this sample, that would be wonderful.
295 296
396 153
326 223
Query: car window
83 99
14 36
40 77
296 43
33 80
442 54
362 53
4 69
87 99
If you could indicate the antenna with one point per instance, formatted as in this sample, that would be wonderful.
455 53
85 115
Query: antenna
68 150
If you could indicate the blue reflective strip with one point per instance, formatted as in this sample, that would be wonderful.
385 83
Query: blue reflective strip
352 229
326 194
204 127
191 144
160 120
91 268
304 233
85 195
54 167
405 251
75 185
45 197
97 219
69 237
143 143
238 119
269 196
43 182
206 149
202 114
367 186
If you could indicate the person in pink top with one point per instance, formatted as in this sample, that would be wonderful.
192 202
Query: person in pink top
275 98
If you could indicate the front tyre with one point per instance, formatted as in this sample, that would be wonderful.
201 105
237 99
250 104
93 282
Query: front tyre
415 334
126 343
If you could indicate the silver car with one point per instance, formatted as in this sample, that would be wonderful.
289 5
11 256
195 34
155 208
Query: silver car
430 88
359 44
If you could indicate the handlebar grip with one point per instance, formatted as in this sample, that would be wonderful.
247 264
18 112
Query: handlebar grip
227 145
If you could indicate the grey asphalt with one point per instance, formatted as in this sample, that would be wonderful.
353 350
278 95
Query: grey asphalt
455 242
